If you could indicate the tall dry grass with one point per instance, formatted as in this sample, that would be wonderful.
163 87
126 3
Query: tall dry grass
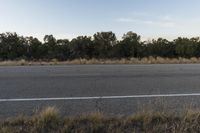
145 60
50 121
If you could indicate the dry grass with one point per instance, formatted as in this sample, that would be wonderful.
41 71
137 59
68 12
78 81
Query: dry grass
146 60
48 120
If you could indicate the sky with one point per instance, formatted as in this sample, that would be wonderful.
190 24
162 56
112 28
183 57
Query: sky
71 18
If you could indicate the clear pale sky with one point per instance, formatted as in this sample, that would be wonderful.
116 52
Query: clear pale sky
71 18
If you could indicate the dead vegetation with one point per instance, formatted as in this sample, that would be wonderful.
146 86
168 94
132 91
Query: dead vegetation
146 60
49 120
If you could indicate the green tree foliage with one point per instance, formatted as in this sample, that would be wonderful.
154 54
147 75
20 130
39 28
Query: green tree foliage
129 46
12 46
161 47
62 49
187 47
34 50
81 47
101 45
49 46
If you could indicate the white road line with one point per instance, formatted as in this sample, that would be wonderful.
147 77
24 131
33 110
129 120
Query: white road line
98 97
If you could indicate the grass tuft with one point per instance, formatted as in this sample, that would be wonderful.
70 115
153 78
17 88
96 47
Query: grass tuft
48 120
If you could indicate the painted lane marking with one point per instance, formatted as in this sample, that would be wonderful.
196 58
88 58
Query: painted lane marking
98 97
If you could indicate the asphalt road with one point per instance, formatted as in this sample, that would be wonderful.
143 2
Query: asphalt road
25 82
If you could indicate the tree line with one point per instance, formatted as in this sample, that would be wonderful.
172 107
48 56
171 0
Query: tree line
101 45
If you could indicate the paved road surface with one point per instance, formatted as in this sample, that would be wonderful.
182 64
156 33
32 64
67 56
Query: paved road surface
25 82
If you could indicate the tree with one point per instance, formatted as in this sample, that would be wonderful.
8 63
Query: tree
104 41
81 47
12 46
35 48
49 46
102 45
130 45
162 47
186 47
62 49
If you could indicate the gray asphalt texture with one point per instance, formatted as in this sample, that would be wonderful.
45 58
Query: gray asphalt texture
98 80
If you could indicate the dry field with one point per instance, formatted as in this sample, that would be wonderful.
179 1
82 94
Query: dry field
146 60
